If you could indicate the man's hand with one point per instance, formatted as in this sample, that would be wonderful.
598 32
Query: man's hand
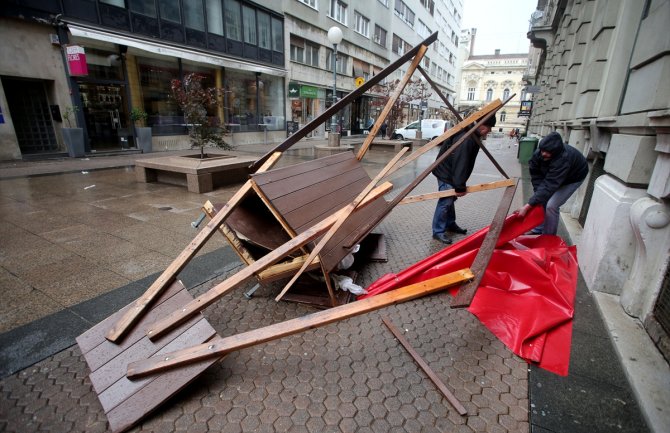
460 194
524 210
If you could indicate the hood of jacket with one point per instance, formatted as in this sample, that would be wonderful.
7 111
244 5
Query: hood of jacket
552 143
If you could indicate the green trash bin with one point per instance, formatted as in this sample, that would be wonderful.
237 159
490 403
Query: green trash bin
527 146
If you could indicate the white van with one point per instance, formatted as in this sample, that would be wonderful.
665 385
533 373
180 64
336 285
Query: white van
430 128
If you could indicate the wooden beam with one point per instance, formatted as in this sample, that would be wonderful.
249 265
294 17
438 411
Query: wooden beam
458 116
339 105
452 192
391 101
341 219
225 345
467 292
141 305
425 367
181 315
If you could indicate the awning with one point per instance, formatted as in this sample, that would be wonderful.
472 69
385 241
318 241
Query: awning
173 51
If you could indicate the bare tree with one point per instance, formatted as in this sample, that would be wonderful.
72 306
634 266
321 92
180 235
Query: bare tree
414 92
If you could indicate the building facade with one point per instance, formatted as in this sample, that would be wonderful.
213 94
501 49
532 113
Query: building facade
484 78
603 76
272 59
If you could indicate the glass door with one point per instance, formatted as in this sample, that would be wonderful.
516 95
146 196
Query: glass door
106 113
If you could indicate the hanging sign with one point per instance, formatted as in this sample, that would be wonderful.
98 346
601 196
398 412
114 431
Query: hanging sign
526 108
76 60
293 90
359 81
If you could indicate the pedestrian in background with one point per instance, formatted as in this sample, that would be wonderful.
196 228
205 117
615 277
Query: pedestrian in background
556 171
453 173
383 129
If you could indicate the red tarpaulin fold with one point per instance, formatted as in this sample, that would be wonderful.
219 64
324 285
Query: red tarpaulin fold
526 297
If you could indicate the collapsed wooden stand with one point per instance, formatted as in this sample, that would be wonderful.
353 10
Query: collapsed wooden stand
281 222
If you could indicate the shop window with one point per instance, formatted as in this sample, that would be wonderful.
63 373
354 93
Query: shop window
104 65
156 76
252 101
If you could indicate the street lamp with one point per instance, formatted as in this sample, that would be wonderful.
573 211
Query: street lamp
335 37
422 84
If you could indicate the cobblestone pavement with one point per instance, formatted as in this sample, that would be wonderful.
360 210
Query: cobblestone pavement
79 244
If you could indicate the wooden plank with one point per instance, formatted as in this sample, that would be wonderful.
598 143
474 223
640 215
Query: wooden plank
425 367
341 219
230 235
452 192
221 346
132 315
459 118
467 292
179 316
342 103
391 101
282 173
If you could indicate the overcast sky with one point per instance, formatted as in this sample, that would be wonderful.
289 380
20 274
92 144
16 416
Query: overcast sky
500 24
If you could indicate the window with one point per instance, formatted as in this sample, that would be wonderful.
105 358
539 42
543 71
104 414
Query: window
249 25
503 115
165 117
117 3
143 7
233 20
399 46
426 62
304 52
263 30
169 11
214 17
489 94
338 11
362 24
384 2
311 3
194 17
342 61
244 107
423 30
505 94
429 5
277 35
405 13
471 93
380 36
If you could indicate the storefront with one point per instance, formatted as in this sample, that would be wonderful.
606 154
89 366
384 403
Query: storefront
307 102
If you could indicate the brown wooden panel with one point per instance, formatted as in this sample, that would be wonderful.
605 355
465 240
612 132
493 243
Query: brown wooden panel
96 335
106 350
144 401
281 173
253 220
303 218
120 390
351 232
126 401
273 190
343 181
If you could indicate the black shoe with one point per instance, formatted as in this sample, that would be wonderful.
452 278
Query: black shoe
442 238
457 229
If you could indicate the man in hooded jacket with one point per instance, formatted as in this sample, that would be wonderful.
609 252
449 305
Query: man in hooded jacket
556 171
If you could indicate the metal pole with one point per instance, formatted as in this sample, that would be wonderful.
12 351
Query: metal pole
334 137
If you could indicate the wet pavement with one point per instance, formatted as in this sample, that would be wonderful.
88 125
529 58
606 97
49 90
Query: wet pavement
81 238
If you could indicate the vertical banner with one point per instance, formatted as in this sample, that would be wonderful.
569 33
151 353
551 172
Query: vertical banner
76 60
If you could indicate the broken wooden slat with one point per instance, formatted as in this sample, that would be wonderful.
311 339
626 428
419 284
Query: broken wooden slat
467 292
459 118
425 367
342 103
179 316
221 346
341 219
391 101
120 328
452 192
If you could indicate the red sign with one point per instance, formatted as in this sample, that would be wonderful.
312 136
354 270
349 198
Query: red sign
76 60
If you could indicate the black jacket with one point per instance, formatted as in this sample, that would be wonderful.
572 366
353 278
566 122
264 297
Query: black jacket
457 167
567 165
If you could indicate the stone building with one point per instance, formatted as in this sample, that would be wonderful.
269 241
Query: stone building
604 77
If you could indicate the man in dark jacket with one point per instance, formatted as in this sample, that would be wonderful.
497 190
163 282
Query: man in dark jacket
556 171
453 173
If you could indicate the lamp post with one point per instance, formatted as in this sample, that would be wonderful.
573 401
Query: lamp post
334 37
422 82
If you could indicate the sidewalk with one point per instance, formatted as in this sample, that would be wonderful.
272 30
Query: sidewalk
81 239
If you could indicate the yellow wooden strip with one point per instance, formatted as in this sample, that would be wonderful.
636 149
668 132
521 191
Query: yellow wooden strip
451 192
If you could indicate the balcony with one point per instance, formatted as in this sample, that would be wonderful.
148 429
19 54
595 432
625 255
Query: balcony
542 23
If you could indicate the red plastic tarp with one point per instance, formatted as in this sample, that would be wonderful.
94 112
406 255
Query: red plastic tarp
526 296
